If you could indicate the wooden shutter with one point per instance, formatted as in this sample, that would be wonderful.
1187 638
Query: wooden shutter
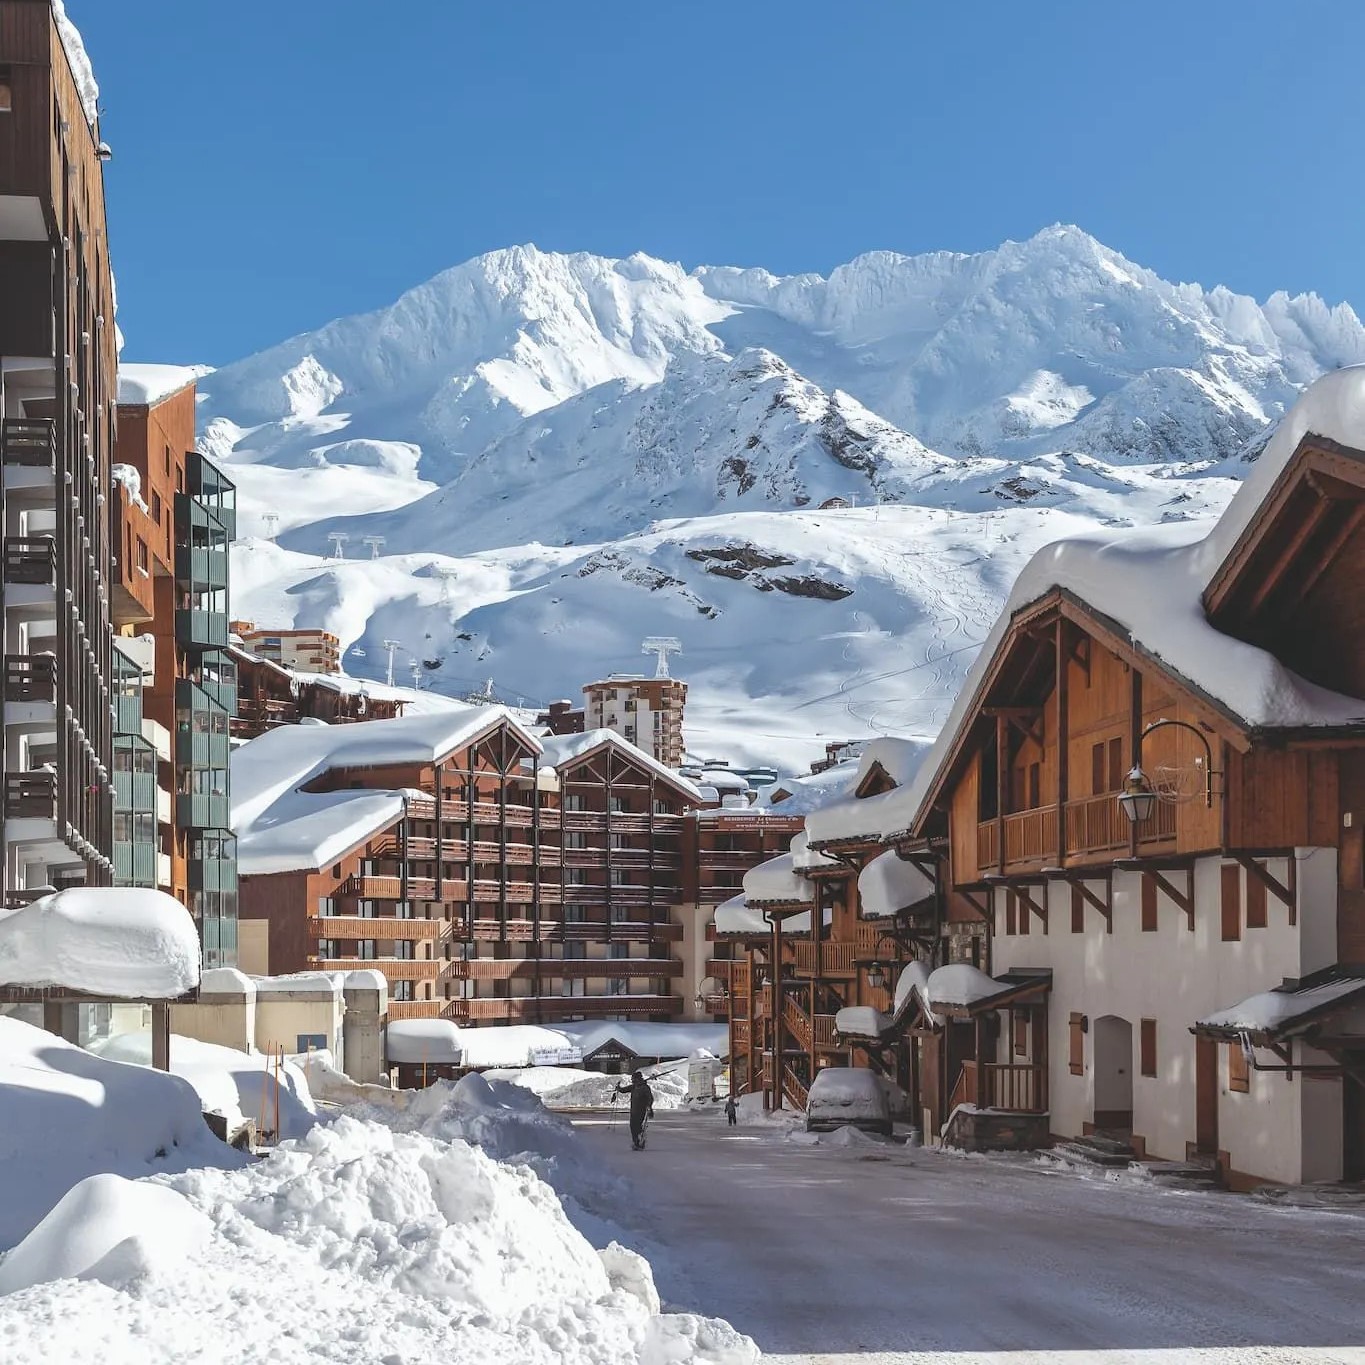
1077 911
1097 787
1035 786
1232 902
1239 1073
1076 1040
1009 912
1025 914
1115 765
1149 916
1019 1028
1147 1046
1256 906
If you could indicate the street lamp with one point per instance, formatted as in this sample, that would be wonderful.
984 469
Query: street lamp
1138 799
876 976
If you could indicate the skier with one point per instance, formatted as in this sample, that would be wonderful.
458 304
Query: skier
731 1111
641 1107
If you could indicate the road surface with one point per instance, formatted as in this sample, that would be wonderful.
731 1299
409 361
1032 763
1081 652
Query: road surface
884 1254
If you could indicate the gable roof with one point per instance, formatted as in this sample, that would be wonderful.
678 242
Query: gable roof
1149 586
564 751
282 828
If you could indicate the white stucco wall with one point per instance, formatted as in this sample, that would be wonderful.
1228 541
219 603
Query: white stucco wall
1176 976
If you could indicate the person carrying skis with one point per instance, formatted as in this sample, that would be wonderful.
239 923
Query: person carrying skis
731 1111
641 1107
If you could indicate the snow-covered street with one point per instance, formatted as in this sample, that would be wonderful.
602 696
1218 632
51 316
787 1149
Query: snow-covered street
862 1251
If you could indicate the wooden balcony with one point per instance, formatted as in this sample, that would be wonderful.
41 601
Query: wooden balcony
385 928
415 1009
1094 825
31 677
1020 1087
590 931
835 959
394 968
491 813
31 796
571 968
523 1008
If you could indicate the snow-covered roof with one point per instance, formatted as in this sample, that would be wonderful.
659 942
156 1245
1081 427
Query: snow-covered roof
805 858
959 983
434 1042
147 385
561 750
1278 1011
126 942
723 780
776 882
889 884
300 985
736 917
801 795
873 817
1151 583
281 828
861 1021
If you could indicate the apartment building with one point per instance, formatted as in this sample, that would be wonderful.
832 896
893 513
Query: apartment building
178 682
492 877
305 651
646 711
57 422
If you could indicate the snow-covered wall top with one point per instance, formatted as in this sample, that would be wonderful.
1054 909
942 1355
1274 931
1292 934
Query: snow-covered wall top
126 942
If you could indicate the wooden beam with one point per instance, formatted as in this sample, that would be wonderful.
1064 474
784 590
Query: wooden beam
1332 548
1274 577
1033 732
1286 895
1104 905
1184 899
983 908
1039 908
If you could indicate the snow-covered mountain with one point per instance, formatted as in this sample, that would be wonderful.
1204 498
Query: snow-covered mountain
564 453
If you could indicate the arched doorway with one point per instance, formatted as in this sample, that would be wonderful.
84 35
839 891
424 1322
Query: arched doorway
1113 1072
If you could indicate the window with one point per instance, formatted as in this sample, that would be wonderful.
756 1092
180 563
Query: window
327 948
575 840
1232 902
575 951
1149 916
400 990
365 909
617 805
572 986
1077 911
660 807
366 949
618 877
618 950
1256 904
1019 1029
1147 1047
168 464
575 801
325 906
311 1042
574 914
156 507
6 91
141 555
1076 1044
405 950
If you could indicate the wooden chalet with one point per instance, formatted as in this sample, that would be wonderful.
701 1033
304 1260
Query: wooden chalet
271 694
1153 791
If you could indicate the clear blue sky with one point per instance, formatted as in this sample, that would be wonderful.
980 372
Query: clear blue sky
281 162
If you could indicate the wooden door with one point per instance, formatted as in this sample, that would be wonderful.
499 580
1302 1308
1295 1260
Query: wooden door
1206 1095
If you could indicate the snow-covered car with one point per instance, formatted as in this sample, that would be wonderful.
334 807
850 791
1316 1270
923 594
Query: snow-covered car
848 1096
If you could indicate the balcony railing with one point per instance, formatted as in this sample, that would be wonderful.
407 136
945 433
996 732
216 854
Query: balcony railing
572 968
30 559
31 796
591 931
389 928
522 1007
33 678
1094 824
199 629
394 968
30 441
836 959
1009 1085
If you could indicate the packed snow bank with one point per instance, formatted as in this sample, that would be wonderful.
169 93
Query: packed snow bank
114 941
238 1085
329 1085
66 1115
107 1229
572 1088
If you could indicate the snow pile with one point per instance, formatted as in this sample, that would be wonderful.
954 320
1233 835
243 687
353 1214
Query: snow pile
889 884
145 386
110 941
805 858
861 1021
68 1115
881 816
959 983
109 1229
572 1088
736 916
237 1085
1272 1010
329 1085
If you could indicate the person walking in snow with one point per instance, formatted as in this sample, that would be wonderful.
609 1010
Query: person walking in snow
731 1112
641 1106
